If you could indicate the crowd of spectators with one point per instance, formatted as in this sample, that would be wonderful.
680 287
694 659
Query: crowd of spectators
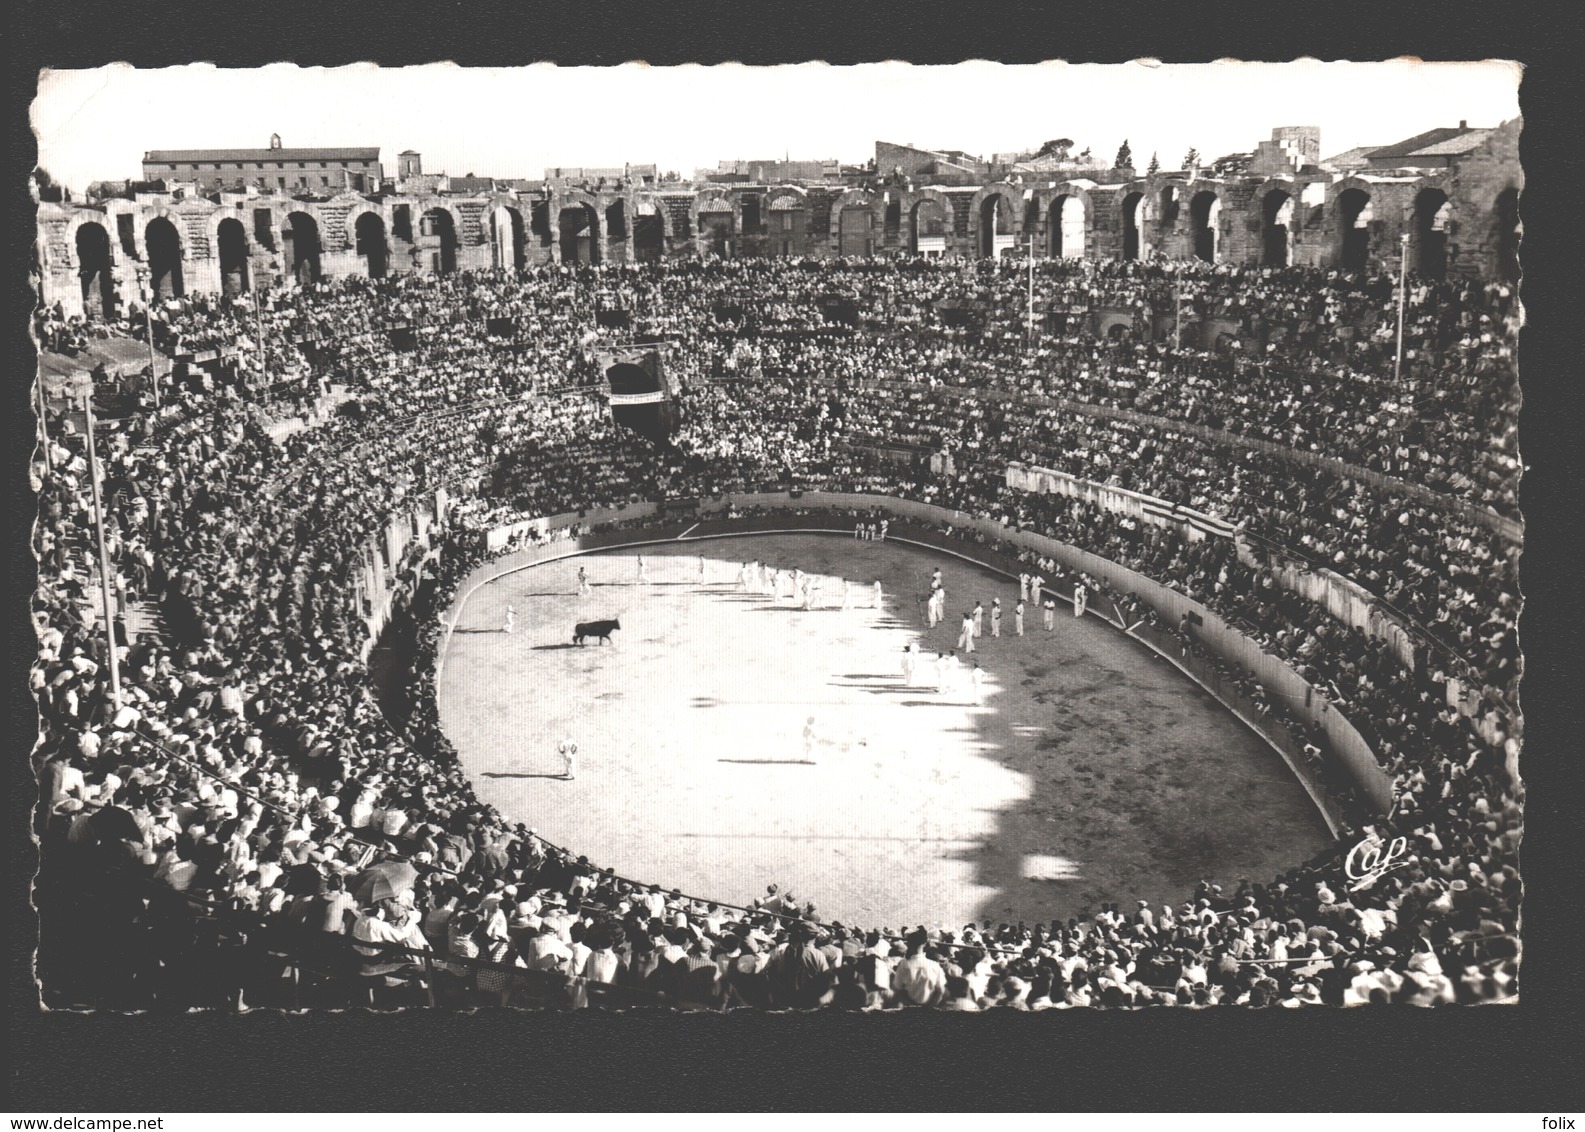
257 771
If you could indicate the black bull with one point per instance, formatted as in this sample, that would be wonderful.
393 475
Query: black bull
600 629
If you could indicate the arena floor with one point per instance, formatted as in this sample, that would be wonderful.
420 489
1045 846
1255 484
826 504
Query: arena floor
1095 771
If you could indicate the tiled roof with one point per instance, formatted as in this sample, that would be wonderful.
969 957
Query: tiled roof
1463 143
172 156
1446 141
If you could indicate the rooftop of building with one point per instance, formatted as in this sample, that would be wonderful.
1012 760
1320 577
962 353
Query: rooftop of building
329 153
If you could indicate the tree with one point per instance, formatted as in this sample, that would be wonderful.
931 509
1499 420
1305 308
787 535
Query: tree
45 188
1155 165
1191 160
1057 147
1231 164
1087 156
1125 157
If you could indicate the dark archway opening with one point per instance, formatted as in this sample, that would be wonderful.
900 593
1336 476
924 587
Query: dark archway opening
1509 233
370 232
514 249
231 239
302 247
649 237
1277 225
993 223
1354 216
653 416
1431 214
1169 205
164 247
1133 204
1204 211
93 270
892 223
580 236
856 231
715 233
539 224
616 221
439 235
929 236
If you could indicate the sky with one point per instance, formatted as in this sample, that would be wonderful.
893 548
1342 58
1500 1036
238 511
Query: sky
96 124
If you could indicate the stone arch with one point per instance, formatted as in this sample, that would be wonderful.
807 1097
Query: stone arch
439 236
780 192
993 208
856 222
1509 228
1069 214
302 245
233 255
1169 199
713 236
852 198
785 214
92 254
1134 221
578 223
616 220
1035 208
1205 215
1067 224
166 254
933 224
433 204
652 230
1278 203
356 213
370 242
106 220
1429 223
1114 323
506 226
124 222
649 204
1353 208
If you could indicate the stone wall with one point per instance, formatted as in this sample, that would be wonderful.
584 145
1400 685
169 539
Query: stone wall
1478 238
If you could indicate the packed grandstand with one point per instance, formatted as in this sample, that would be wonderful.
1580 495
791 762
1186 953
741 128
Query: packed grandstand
262 820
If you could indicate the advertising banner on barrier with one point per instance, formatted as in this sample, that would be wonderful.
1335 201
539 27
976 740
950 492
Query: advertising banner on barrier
1044 481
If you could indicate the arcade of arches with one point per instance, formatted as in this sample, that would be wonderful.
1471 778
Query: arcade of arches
1465 222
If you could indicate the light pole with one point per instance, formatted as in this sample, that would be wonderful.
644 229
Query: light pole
148 325
1030 336
1403 299
44 428
105 594
258 328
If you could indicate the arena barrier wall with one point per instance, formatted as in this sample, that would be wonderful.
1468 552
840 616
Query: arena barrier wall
1510 529
930 525
1347 745
1344 598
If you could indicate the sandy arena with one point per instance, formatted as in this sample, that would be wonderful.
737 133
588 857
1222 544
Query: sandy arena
1095 771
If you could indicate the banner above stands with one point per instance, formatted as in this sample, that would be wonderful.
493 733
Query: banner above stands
1044 481
658 397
